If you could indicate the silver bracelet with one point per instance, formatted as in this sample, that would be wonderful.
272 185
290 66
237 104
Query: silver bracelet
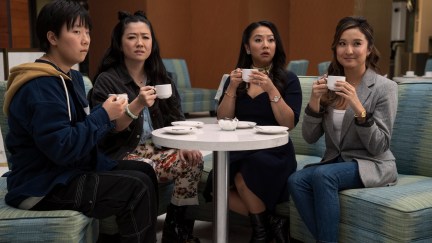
130 114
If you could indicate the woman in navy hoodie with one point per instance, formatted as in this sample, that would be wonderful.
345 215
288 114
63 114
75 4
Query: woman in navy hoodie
53 137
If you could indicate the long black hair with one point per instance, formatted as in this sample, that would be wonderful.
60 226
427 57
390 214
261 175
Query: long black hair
277 72
114 56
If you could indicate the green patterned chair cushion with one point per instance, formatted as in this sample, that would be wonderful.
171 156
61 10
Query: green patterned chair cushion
197 100
181 71
192 99
299 67
300 145
18 225
3 121
401 213
412 132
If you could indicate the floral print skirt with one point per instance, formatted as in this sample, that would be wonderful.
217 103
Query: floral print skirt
169 166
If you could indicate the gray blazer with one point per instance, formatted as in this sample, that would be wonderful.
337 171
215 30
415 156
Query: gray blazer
368 145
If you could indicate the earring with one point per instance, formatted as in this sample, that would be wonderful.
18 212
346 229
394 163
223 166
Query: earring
248 52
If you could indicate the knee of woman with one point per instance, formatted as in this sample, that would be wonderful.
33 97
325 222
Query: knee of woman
293 179
322 173
239 182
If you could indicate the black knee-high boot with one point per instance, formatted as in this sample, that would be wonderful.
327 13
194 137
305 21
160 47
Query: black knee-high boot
260 227
178 229
279 228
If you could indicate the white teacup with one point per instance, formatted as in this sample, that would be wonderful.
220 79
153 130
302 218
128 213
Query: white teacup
331 81
245 74
163 91
409 74
428 74
120 96
228 124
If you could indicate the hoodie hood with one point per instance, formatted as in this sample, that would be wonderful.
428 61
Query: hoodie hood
21 74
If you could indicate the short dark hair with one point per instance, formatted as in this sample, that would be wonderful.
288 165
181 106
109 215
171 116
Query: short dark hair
54 15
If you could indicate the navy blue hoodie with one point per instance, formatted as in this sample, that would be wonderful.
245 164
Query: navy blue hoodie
52 136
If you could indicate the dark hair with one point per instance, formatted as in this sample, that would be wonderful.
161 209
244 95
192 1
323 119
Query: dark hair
114 56
277 72
54 15
335 68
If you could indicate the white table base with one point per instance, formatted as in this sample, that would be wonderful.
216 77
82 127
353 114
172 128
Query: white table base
220 198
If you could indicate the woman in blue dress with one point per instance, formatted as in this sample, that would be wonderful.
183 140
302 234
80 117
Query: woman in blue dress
271 97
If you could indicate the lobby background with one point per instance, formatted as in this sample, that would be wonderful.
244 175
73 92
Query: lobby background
207 34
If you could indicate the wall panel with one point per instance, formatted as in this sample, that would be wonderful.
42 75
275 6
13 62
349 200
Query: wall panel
208 33
20 24
4 24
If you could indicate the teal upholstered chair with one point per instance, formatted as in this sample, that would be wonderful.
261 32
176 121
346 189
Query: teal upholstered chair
323 67
299 67
192 99
428 66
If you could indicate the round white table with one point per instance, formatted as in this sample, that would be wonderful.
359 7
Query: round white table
211 138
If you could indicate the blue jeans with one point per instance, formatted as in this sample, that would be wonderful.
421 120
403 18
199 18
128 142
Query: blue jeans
315 192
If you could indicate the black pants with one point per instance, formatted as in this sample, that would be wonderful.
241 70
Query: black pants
128 191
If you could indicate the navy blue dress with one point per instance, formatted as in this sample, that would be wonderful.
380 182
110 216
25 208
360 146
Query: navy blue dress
266 171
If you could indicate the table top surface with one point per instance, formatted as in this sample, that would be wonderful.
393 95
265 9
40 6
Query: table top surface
212 138
415 79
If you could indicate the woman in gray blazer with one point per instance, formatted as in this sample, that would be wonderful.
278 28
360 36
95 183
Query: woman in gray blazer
356 119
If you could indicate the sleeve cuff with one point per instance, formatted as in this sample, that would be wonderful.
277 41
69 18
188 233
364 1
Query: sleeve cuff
312 113
368 123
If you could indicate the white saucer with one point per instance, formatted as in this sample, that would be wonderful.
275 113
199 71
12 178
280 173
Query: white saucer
188 123
245 124
271 129
413 76
179 129
424 76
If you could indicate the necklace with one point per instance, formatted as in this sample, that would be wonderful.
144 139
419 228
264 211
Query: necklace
265 70
142 82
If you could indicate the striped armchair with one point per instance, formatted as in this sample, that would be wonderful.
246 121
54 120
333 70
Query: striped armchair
299 67
192 99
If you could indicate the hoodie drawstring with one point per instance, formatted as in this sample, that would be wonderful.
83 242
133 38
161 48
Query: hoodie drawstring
67 97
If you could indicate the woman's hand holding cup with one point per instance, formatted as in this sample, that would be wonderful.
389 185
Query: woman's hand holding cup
319 87
147 96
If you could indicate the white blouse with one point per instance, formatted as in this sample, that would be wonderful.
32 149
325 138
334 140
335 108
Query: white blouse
338 116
